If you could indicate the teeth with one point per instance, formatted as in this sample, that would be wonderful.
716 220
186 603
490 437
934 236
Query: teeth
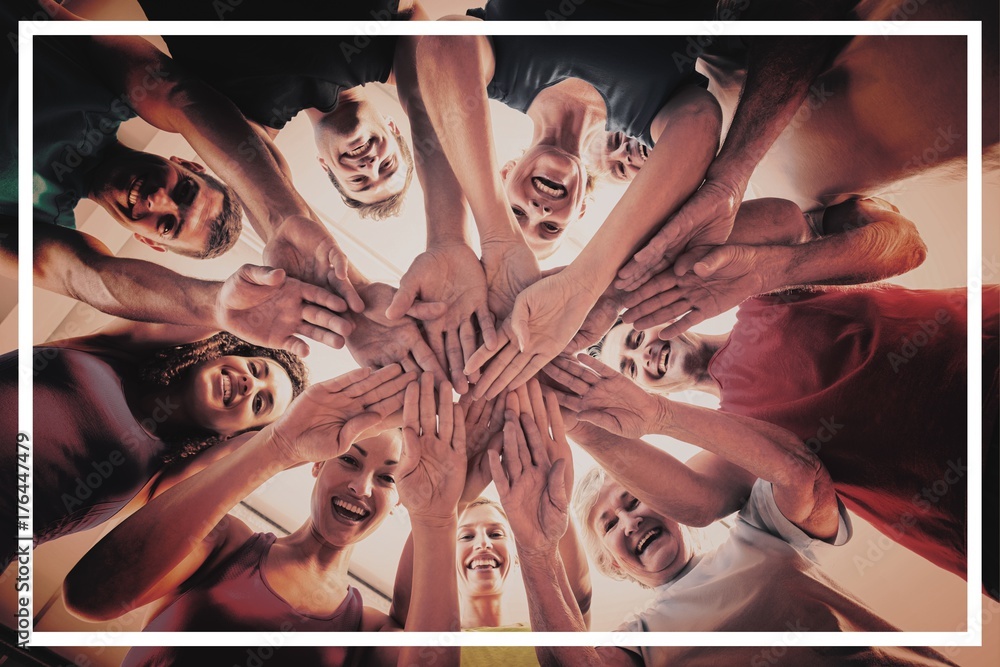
227 388
133 193
483 563
351 508
360 149
645 539
546 189
664 355
644 151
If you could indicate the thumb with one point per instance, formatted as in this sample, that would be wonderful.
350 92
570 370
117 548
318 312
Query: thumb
338 263
519 328
262 275
354 427
596 417
713 261
427 310
557 485
402 301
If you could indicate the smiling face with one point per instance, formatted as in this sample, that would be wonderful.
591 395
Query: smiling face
620 156
662 366
231 394
354 492
643 545
546 188
167 204
483 551
363 156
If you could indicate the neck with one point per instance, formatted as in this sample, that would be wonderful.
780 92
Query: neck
567 117
95 177
709 344
314 554
350 104
482 611
159 411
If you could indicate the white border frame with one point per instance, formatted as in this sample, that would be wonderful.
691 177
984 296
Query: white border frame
970 29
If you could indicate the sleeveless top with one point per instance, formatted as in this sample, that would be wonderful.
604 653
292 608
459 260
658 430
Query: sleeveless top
636 76
235 596
270 10
595 10
90 455
874 382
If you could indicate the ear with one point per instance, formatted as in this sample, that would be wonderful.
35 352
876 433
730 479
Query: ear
506 169
150 242
392 125
187 164
316 467
583 206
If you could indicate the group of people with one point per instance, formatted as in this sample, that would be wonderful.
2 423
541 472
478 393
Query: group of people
480 368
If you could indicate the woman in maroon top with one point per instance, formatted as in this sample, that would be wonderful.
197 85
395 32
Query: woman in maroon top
215 574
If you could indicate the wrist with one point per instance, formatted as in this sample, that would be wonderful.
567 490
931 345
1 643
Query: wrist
774 267
663 415
543 556
428 522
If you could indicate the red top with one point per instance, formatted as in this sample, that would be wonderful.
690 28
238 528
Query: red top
874 381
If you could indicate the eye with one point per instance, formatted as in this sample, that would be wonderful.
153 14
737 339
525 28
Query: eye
631 369
641 337
387 165
619 170
465 537
518 213
388 479
254 368
349 460
167 225
497 535
185 192
632 504
258 404
631 341
551 228
610 524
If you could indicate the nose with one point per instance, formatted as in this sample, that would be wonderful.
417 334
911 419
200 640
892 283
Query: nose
483 541
540 208
370 165
248 384
161 202
630 523
361 485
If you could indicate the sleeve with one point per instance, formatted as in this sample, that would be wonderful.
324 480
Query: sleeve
762 512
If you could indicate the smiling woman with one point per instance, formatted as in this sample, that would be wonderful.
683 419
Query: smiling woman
113 413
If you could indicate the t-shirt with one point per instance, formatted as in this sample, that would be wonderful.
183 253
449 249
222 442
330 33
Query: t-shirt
76 123
271 79
764 578
269 10
595 10
636 76
508 656
874 382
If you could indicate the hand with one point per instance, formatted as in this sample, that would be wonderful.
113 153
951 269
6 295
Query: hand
322 423
432 467
532 488
263 306
604 397
599 321
483 431
308 252
545 318
509 267
450 275
725 276
704 219
377 341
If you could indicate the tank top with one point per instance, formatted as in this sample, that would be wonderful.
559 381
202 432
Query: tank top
636 76
874 382
235 596
90 455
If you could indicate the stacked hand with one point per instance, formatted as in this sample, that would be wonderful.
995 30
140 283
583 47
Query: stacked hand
532 487
449 275
721 280
308 252
432 467
600 395
483 431
377 341
329 416
706 219
510 268
265 307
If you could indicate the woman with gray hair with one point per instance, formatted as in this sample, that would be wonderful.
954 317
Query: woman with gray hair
763 578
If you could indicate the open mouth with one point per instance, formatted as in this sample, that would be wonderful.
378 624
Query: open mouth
349 511
483 563
651 535
549 188
362 149
132 196
661 362
227 388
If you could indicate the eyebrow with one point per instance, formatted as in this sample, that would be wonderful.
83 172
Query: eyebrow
390 462
489 525
361 451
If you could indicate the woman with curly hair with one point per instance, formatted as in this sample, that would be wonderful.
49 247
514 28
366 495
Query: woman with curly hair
117 411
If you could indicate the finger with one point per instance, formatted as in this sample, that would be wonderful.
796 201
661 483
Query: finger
427 310
566 379
402 300
533 439
498 473
319 335
513 463
581 372
487 324
410 455
686 261
598 418
425 358
326 319
322 297
428 413
458 440
656 316
387 389
522 443
445 412
596 365
524 401
557 485
534 365
411 407
435 340
658 284
354 427
409 365
467 339
538 406
262 275
496 413
341 382
453 350
568 401
493 371
512 403
475 411
296 346
373 380
555 417
484 354
680 326
347 291
388 407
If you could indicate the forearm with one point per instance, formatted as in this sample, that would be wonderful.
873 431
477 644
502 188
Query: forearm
663 184
121 570
434 603
403 585
641 467
550 611
884 245
453 76
577 570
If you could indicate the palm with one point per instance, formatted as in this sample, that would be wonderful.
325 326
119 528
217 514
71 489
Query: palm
737 278
432 483
625 406
509 271
599 321
547 315
452 276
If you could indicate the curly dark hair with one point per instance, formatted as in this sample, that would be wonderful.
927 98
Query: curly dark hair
168 365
